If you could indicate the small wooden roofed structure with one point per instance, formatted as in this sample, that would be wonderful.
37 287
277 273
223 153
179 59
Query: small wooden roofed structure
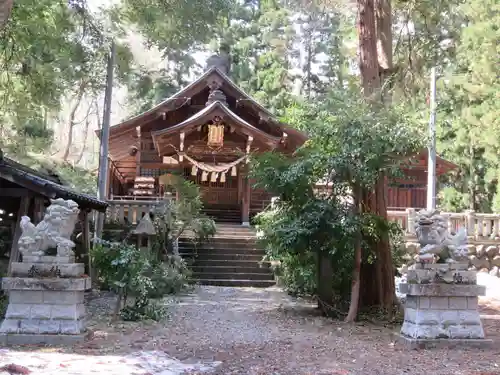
410 190
26 192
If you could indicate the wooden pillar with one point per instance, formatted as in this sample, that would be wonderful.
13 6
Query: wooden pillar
245 209
138 154
86 244
14 250
110 178
38 209
240 185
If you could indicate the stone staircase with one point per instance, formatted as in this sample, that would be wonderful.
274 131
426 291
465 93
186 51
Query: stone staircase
231 258
223 214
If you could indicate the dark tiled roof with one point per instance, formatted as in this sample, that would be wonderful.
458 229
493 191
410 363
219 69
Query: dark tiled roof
50 186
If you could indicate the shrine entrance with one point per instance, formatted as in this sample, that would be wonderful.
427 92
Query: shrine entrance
221 187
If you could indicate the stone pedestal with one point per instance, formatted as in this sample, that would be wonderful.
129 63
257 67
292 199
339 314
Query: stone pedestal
441 307
46 302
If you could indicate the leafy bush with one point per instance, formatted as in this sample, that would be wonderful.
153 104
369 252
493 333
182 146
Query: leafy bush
170 277
127 271
143 309
333 238
4 302
174 218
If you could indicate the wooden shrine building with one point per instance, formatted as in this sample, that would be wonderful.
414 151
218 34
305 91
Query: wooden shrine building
411 191
205 132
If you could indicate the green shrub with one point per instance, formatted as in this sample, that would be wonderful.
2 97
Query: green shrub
4 302
170 277
143 309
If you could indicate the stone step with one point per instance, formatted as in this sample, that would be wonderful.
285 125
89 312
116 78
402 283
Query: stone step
238 283
232 263
220 242
234 276
224 257
246 236
235 228
222 251
242 248
255 269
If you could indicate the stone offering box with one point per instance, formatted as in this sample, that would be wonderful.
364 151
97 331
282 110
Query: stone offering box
46 302
441 307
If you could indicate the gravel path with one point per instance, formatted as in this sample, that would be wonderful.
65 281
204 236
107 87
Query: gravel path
249 332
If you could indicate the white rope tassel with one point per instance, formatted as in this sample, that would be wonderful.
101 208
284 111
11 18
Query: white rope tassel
194 170
223 177
233 171
213 178
204 176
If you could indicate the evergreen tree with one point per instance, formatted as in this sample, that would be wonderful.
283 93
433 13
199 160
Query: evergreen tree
470 114
261 36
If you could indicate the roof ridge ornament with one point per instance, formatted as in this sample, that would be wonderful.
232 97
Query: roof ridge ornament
220 61
216 96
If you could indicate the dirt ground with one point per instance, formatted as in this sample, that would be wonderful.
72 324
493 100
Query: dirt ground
264 332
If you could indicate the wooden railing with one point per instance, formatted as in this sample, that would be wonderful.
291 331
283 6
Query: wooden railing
479 226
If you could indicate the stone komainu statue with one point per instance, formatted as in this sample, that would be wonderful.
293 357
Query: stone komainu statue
54 231
436 240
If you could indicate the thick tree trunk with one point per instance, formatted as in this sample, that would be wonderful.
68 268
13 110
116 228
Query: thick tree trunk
356 273
368 60
325 278
5 11
376 278
383 22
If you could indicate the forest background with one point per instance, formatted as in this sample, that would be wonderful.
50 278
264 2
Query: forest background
286 54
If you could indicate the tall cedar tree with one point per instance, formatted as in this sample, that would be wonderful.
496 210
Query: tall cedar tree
5 9
373 284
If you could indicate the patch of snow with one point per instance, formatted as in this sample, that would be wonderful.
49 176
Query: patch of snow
492 284
141 363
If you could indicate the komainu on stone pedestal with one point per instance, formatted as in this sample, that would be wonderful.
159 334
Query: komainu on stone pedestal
441 298
46 293
442 307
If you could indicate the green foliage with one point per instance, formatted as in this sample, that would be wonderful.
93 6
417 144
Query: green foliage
49 51
451 200
143 309
174 26
147 275
351 144
469 126
175 217
128 271
4 303
170 277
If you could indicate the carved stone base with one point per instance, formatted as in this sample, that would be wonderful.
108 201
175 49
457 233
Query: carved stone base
27 339
409 343
442 311
44 310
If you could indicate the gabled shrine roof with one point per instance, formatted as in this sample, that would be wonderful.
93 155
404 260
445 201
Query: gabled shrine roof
443 165
183 96
215 108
